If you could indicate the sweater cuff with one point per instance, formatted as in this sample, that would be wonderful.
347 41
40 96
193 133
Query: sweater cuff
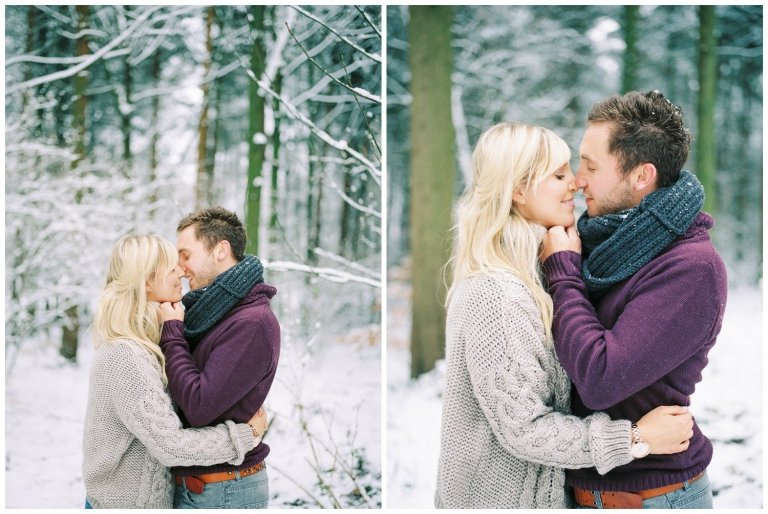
172 329
562 265
243 437
611 442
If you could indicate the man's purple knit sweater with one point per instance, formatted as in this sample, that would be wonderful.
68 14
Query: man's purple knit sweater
230 371
643 344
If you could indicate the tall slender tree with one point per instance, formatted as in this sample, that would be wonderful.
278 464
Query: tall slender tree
154 138
204 176
256 137
71 327
630 15
432 177
706 152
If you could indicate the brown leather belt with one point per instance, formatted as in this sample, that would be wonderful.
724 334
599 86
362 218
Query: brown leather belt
196 484
625 500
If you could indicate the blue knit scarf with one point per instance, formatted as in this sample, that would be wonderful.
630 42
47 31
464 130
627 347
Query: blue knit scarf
615 246
206 306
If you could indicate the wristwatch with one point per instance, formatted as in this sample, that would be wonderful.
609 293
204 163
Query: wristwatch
639 447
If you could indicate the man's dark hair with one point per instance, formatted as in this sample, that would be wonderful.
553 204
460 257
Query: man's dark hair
646 128
217 224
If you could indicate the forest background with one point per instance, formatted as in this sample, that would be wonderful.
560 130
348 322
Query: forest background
452 72
123 119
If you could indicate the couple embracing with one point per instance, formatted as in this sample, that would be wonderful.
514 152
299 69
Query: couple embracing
572 351
216 361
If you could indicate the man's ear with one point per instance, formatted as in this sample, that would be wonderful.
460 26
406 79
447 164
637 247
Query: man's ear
644 178
222 250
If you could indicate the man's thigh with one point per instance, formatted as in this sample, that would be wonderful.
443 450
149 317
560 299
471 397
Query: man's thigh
251 492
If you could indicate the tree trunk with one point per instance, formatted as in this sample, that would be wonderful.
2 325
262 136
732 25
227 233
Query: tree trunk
705 147
126 116
277 87
256 137
344 232
629 28
63 48
432 177
71 327
210 163
29 48
203 187
155 131
81 84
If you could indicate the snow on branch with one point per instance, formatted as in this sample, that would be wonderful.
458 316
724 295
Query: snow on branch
324 136
330 274
39 59
356 90
40 149
74 70
351 202
373 57
368 21
341 260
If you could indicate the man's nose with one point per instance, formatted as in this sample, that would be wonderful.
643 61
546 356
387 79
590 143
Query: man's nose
581 182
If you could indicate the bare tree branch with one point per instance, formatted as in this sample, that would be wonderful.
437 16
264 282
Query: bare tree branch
373 57
360 91
331 274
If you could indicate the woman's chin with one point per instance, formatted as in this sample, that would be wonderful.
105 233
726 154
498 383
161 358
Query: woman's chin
565 222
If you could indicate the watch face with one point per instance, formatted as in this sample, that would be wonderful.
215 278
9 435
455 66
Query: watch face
640 450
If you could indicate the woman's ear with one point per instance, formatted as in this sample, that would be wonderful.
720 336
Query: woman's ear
518 198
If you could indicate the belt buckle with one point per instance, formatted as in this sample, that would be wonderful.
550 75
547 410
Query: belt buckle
194 484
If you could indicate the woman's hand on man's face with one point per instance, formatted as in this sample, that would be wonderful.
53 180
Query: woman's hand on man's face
559 239
170 311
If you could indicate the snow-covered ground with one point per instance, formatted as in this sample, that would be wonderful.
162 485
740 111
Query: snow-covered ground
728 404
338 385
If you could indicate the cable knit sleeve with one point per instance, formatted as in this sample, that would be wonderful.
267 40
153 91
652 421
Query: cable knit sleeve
514 377
144 406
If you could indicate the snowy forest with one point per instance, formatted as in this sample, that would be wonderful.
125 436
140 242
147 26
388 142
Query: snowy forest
452 72
123 119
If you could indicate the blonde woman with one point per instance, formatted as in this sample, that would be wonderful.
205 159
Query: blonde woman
506 430
132 433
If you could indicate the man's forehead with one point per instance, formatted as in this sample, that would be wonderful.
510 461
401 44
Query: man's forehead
184 240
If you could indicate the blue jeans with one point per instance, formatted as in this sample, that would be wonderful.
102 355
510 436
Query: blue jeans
251 492
697 495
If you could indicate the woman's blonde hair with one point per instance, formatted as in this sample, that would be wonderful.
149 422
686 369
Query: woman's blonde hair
123 311
490 234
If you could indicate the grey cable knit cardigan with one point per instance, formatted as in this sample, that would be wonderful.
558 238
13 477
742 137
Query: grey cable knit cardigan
506 430
132 434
